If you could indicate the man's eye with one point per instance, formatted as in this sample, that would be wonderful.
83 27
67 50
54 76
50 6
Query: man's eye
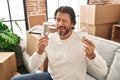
64 21
58 20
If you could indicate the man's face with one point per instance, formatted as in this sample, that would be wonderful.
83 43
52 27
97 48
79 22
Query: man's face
63 23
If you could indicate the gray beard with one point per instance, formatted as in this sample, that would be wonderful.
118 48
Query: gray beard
63 34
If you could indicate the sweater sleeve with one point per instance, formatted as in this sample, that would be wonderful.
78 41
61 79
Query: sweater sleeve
36 60
97 67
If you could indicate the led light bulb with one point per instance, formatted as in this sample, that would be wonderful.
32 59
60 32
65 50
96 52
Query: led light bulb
83 32
46 28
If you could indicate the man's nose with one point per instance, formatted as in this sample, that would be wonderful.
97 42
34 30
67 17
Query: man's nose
61 23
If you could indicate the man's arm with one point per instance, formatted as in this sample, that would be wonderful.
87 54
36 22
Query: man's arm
97 66
36 61
39 56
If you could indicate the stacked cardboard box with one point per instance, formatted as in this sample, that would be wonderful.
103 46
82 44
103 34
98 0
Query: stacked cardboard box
100 18
7 65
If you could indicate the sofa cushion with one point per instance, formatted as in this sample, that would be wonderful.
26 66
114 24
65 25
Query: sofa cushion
114 73
105 48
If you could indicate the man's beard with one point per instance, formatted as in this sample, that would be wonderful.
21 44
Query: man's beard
63 33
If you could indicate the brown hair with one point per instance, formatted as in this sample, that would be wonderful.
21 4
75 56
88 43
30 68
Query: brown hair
66 9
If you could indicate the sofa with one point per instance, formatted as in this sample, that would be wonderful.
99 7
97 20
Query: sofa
109 50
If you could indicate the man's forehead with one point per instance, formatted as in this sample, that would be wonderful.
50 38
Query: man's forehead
62 15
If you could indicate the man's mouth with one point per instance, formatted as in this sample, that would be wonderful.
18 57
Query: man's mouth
61 28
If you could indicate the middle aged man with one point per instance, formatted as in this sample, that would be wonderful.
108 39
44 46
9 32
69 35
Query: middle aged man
69 55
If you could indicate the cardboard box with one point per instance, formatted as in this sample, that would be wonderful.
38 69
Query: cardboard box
36 20
100 30
32 40
100 14
7 65
116 33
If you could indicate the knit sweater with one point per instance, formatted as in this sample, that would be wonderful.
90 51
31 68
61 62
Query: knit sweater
67 60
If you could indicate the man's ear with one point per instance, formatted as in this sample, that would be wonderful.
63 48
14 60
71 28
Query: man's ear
72 26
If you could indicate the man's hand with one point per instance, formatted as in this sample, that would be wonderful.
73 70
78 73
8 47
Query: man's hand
43 42
89 48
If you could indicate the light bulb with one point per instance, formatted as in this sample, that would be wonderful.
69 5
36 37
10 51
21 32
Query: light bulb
83 32
46 28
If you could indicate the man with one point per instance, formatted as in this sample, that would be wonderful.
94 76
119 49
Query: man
69 55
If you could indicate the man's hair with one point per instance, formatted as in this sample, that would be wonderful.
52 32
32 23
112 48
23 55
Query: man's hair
66 9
